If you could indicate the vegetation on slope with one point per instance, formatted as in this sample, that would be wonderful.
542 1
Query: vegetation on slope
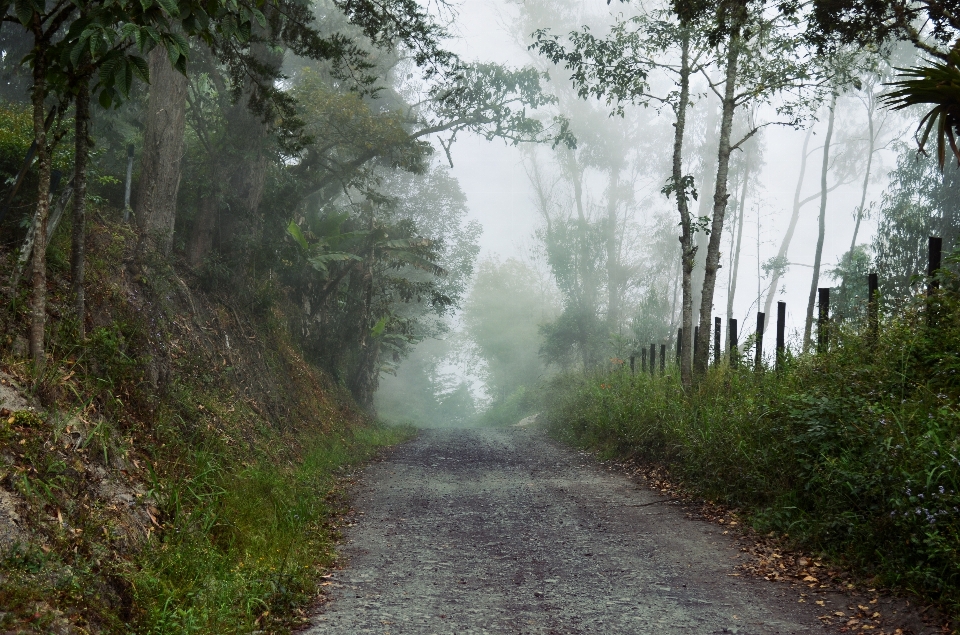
181 472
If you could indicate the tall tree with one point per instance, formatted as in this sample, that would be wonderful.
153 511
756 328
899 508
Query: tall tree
821 224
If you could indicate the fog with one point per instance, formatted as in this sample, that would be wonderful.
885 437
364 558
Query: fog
501 195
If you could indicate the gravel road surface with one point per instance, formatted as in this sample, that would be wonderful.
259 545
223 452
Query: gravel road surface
505 531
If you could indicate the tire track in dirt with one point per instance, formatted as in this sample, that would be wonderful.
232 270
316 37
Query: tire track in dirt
504 531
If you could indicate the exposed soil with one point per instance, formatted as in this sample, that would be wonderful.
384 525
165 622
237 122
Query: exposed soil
505 531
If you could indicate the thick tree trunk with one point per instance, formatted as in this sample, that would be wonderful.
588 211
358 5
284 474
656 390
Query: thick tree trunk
720 196
78 251
791 228
815 280
163 141
688 251
38 300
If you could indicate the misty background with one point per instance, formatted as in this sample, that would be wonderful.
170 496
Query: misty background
495 348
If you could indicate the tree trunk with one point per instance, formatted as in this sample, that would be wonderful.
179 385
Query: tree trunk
613 255
707 183
38 300
688 251
866 176
205 224
791 228
720 197
78 251
815 280
162 150
735 256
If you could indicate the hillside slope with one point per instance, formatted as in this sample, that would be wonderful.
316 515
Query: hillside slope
177 470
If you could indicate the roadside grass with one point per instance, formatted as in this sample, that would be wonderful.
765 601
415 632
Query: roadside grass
244 544
852 453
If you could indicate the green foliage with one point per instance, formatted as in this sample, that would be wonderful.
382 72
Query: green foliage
853 452
936 84
921 201
244 541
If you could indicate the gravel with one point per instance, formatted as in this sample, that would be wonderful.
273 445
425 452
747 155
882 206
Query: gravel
473 531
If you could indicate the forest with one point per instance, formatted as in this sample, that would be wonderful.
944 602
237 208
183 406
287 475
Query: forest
241 252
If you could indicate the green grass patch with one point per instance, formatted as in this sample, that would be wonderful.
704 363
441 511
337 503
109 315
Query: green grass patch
243 545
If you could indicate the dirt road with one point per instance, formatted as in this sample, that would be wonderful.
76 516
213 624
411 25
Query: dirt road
504 531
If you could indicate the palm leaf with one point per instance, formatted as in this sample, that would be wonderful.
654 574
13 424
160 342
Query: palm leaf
936 84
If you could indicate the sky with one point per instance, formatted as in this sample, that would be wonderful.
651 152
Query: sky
500 197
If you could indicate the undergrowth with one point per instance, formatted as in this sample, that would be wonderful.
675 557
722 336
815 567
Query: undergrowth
854 452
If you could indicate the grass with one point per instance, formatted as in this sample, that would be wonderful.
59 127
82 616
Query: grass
244 546
854 453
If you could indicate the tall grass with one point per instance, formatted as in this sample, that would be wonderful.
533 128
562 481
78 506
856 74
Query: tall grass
244 544
853 452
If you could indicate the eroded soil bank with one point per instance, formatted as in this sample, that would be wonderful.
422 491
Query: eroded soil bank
504 531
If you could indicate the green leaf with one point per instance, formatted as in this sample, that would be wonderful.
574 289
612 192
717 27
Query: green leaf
105 98
170 6
294 230
24 10
140 68
380 326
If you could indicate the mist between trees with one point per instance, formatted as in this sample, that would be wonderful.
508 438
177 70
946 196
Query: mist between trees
298 152
727 128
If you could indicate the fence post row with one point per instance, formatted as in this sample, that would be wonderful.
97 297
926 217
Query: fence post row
823 320
734 357
716 341
781 333
758 363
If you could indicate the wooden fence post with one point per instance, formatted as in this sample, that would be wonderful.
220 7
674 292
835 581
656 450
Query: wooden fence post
781 333
758 363
734 353
633 361
653 359
643 360
933 263
873 306
663 359
823 319
679 345
716 341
